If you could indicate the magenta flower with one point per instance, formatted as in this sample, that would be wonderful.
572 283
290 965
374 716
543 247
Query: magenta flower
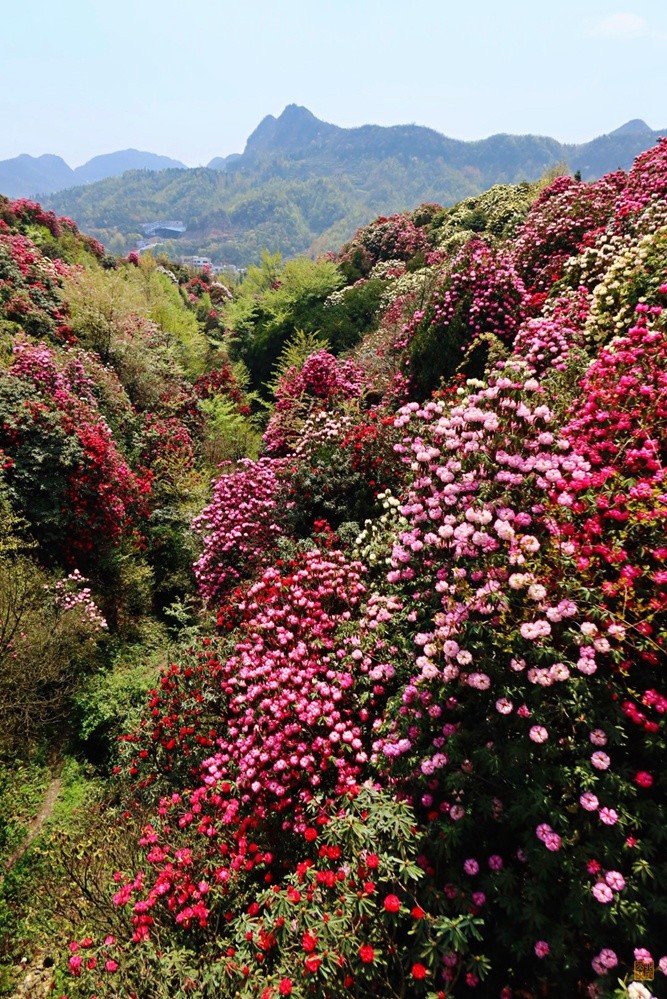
616 881
542 948
538 733
588 801
553 842
600 761
608 958
602 892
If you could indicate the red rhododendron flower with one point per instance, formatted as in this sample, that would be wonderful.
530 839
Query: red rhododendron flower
366 953
419 971
313 963
309 942
285 987
392 903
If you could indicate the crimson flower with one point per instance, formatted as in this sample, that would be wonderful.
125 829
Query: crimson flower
392 903
309 942
366 953
419 971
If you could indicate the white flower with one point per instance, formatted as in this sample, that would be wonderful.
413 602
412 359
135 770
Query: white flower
638 991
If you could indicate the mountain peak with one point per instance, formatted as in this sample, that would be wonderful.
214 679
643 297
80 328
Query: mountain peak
295 128
296 113
634 127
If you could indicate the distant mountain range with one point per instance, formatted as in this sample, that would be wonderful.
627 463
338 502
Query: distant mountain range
299 134
28 176
301 184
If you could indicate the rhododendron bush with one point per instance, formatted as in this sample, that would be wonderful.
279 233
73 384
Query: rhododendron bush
422 751
61 459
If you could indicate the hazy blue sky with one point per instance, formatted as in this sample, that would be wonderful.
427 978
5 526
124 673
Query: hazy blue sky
82 77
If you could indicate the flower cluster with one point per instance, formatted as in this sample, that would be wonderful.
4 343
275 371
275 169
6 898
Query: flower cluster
431 751
93 495
321 380
71 592
29 288
388 238
240 526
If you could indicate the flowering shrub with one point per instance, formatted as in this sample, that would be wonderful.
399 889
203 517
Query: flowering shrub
62 465
497 213
29 285
644 190
393 238
637 275
563 220
240 525
49 635
23 214
546 341
71 592
480 293
508 634
321 380
427 757
167 451
221 381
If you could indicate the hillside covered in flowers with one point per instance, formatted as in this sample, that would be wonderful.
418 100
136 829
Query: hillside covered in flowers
355 583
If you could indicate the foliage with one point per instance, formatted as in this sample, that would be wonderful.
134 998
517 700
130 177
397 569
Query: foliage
480 293
414 744
48 640
62 466
263 321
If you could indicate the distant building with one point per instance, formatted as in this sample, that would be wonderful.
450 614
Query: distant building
169 229
198 263
205 264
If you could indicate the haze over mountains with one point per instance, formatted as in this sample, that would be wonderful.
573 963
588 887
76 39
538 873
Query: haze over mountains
26 176
301 184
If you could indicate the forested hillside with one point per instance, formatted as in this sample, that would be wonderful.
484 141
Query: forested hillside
335 604
303 185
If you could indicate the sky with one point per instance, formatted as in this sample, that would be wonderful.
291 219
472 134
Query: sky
83 77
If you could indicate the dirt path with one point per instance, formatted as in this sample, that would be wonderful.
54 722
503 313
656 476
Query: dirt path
34 829
37 973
